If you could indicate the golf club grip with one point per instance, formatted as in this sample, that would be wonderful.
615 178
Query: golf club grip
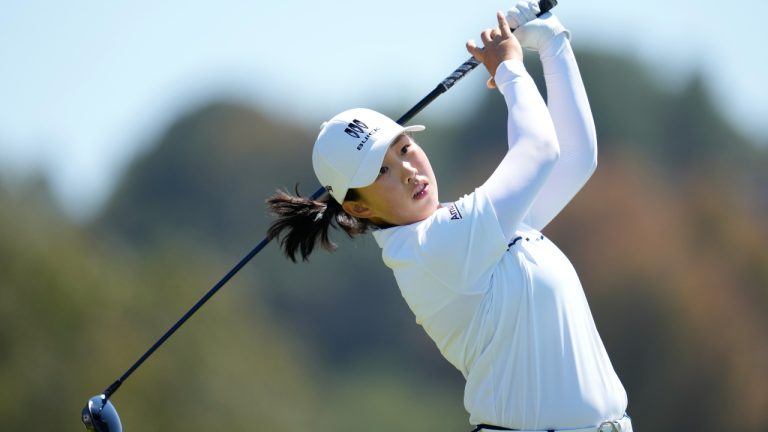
461 71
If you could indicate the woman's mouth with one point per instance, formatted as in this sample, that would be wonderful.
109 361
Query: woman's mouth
422 190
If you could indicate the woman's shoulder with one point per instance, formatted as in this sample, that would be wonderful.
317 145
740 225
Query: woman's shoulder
442 217
457 245
458 226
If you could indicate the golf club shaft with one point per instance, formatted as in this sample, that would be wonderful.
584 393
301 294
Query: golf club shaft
115 385
447 83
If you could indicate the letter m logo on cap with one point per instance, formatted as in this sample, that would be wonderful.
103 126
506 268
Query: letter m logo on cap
355 128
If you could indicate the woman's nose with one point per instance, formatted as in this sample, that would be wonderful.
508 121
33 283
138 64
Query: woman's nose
409 173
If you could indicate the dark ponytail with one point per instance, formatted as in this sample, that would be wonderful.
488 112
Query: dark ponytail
306 221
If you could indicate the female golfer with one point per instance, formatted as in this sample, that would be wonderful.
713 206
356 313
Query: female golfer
501 302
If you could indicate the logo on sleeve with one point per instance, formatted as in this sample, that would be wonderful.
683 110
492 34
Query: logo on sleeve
454 212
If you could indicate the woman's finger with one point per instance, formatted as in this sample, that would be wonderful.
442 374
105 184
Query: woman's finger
503 24
486 36
474 50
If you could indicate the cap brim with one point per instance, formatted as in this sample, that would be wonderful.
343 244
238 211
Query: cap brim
414 128
371 165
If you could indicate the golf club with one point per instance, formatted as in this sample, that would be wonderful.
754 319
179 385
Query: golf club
100 415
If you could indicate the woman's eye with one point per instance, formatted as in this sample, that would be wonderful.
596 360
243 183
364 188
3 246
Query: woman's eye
404 150
383 170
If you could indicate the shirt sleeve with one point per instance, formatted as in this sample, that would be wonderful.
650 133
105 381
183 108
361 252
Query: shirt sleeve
569 108
533 148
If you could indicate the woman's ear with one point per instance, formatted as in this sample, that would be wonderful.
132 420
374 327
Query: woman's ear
357 209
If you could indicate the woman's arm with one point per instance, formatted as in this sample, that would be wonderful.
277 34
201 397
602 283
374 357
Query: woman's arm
533 148
571 114
568 106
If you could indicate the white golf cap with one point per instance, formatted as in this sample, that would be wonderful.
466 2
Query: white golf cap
350 148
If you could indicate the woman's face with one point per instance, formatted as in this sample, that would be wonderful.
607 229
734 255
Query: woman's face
405 190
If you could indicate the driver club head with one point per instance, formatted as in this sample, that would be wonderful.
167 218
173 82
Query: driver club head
100 415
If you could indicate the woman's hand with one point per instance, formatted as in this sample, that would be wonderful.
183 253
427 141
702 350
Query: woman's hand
499 44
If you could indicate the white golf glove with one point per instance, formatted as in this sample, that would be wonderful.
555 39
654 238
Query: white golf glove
532 32
522 12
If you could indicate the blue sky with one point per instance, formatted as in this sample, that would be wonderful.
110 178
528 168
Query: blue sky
86 85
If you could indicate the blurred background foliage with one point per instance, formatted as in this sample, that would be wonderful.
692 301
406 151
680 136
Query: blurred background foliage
668 237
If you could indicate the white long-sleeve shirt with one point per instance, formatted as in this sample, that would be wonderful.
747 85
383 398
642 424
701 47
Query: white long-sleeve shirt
501 302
